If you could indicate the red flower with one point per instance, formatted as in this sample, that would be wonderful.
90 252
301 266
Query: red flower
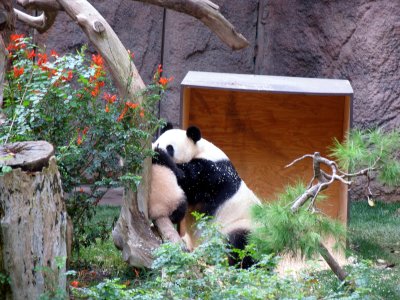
42 59
75 283
68 77
18 72
15 43
52 72
131 55
31 54
70 74
53 53
97 59
85 130
141 113
15 37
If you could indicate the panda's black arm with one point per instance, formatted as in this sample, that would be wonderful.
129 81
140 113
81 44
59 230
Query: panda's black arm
162 158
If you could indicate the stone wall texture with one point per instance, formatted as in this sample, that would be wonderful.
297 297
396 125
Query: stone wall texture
357 40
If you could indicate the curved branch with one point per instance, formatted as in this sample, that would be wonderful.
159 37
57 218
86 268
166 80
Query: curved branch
41 23
208 13
45 5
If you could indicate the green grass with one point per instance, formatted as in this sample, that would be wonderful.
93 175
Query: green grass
102 259
374 234
375 231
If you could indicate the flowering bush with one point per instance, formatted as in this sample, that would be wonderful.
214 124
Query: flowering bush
68 101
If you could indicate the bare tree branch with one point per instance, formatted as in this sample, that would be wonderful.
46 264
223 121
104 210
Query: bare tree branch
208 13
323 179
41 23
45 5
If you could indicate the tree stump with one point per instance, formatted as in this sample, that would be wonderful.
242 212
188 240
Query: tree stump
33 221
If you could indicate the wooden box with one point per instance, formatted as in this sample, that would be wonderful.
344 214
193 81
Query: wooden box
265 122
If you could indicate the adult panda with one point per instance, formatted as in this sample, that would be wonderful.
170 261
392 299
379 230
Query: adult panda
211 185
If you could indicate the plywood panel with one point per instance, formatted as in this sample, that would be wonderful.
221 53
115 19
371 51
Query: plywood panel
262 132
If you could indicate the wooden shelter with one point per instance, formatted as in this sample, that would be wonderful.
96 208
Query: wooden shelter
265 122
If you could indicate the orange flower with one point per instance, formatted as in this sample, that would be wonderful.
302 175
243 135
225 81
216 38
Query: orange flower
164 80
141 113
75 283
95 92
31 54
110 98
121 116
136 272
100 83
131 104
42 59
107 108
53 53
18 72
79 141
97 59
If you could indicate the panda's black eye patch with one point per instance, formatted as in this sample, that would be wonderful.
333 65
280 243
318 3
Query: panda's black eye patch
170 150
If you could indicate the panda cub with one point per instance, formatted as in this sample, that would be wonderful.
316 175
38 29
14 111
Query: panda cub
167 199
211 185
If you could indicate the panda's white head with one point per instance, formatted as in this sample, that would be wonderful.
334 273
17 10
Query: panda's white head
185 145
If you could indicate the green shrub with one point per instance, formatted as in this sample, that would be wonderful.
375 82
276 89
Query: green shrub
67 101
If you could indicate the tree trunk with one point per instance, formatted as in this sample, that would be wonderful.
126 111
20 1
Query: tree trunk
3 60
132 233
33 222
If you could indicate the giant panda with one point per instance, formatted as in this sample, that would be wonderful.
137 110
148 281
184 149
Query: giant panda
211 185
166 199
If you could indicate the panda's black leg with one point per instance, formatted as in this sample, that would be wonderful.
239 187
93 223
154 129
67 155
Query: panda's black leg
179 213
238 239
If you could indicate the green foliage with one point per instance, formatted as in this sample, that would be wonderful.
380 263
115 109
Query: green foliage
280 230
181 275
201 274
67 101
371 149
101 257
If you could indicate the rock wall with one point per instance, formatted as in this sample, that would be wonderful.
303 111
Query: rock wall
357 40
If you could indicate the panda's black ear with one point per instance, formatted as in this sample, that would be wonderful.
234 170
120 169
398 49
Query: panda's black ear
168 126
193 133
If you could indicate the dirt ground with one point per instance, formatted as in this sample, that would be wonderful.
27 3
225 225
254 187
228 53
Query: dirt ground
113 197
